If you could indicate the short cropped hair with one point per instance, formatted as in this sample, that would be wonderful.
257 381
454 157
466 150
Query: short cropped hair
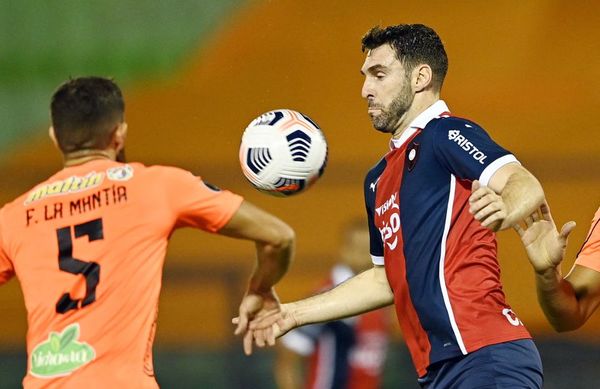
414 44
85 112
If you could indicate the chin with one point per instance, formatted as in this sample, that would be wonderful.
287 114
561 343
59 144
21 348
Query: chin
383 128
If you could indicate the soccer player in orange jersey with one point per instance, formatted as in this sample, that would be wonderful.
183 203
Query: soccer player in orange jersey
567 301
88 246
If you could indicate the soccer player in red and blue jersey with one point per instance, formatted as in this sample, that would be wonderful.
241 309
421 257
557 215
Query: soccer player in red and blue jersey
433 203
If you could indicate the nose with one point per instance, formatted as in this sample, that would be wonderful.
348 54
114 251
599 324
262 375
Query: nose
367 91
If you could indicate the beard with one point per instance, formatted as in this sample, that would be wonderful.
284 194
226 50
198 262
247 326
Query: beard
388 118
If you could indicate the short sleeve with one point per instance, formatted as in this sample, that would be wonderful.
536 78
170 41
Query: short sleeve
589 255
467 151
7 270
200 205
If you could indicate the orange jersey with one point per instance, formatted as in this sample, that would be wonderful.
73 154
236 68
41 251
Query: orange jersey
589 255
88 247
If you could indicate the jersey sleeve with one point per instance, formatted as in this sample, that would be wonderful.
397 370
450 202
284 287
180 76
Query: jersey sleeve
7 270
467 151
201 205
376 243
589 255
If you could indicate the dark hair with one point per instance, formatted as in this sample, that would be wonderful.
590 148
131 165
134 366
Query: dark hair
414 44
85 111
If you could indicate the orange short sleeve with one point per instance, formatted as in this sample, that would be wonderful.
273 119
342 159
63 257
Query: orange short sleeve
199 205
589 255
7 270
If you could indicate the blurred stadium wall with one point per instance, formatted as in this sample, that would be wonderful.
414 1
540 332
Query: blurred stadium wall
196 72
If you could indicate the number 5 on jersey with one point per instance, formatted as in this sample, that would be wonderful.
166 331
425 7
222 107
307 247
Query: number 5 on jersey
91 270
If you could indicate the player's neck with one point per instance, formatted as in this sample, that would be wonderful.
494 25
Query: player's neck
420 104
82 156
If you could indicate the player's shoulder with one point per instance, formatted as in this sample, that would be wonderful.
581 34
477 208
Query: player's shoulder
376 170
164 172
597 215
447 123
595 228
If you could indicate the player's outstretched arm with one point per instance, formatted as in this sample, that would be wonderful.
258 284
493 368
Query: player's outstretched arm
362 293
566 302
512 194
274 250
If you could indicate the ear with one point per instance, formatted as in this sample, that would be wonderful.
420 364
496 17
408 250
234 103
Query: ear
52 135
119 136
422 77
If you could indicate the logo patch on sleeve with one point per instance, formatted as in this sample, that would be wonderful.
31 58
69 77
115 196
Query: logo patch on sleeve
466 145
61 354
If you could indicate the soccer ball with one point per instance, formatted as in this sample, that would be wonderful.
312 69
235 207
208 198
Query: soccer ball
283 152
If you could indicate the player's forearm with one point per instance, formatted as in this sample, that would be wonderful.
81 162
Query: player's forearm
523 194
362 293
273 260
558 300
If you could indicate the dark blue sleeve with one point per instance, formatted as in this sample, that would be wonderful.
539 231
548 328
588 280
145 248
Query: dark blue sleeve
370 189
467 151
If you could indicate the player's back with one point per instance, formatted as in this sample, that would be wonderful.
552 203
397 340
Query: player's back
88 246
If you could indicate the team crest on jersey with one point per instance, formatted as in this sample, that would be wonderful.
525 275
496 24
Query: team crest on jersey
120 173
61 354
412 154
62 187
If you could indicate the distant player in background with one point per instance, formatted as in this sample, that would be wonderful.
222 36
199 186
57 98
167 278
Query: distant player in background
569 301
343 354
88 246
433 203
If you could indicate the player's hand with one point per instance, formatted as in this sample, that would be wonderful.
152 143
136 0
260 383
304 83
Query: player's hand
253 305
267 326
266 329
488 207
545 246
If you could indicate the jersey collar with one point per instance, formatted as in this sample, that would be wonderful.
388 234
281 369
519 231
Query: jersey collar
435 110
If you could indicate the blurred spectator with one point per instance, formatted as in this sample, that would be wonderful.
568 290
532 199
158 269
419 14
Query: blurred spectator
342 354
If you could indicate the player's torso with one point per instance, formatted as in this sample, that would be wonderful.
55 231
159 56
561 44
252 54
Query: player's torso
435 254
88 247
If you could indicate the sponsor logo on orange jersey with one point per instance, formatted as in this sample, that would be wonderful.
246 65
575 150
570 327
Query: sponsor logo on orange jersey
61 187
61 354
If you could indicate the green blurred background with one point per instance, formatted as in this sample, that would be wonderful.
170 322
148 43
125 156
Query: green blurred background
194 74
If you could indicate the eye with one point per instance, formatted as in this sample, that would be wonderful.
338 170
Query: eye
380 75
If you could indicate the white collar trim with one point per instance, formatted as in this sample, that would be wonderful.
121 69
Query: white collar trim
432 112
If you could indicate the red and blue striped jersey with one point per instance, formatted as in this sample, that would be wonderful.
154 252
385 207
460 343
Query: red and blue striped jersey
440 262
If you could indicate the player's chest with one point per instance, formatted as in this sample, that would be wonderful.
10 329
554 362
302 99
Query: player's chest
411 185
